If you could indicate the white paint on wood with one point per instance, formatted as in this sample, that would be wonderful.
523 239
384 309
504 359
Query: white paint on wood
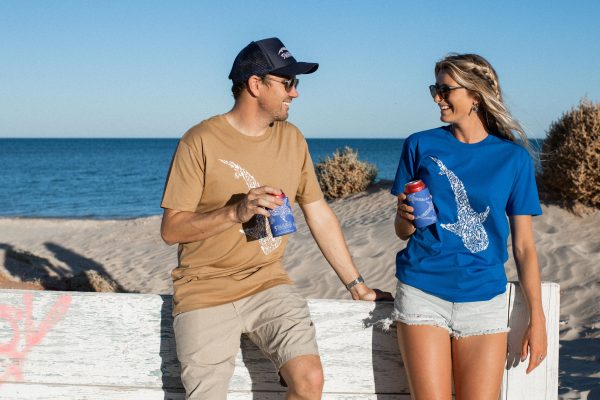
121 346
16 391
52 392
542 382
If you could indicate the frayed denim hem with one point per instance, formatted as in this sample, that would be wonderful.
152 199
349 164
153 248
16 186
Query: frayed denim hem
480 333
411 320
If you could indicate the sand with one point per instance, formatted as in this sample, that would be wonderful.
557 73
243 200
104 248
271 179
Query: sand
132 253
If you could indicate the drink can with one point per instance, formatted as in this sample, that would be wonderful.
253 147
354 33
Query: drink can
281 220
418 197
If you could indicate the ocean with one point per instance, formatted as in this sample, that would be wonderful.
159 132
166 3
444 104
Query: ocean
120 178
123 178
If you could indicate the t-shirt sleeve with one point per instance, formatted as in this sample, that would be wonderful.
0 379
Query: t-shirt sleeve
309 189
406 166
523 198
185 180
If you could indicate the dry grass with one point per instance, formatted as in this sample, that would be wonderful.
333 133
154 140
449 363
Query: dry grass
8 283
344 174
570 173
91 281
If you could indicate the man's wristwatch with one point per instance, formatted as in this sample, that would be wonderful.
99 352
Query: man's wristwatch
355 282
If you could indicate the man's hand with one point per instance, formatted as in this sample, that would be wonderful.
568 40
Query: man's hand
363 292
256 201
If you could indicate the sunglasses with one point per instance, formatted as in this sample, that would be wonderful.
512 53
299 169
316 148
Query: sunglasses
442 90
287 83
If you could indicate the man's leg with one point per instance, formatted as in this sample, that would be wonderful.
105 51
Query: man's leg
207 340
278 321
304 377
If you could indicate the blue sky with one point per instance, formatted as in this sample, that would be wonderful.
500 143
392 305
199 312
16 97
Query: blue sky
153 69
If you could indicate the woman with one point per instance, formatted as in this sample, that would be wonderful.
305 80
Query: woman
451 303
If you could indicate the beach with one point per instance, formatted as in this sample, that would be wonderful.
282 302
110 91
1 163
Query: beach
132 253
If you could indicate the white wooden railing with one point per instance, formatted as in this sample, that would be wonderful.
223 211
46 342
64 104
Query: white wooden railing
71 345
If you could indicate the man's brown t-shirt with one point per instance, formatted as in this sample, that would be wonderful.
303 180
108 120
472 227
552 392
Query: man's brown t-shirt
214 166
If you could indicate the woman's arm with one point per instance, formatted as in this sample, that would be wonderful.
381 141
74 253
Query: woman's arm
534 340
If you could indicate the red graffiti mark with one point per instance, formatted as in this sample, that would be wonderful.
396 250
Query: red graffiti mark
21 324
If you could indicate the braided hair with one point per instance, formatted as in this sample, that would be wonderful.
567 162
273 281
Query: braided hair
477 75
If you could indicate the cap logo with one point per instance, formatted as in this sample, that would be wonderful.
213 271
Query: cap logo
284 53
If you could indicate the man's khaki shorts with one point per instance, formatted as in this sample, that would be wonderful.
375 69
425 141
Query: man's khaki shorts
277 320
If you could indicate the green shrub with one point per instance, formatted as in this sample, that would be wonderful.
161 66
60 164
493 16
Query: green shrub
570 161
344 174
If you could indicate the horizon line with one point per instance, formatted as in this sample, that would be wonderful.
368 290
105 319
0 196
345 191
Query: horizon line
179 137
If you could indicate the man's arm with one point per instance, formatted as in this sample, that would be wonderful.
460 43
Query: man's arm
327 232
187 226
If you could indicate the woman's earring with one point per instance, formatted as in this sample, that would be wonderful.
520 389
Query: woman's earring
475 107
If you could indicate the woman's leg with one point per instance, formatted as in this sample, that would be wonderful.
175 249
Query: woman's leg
478 364
426 352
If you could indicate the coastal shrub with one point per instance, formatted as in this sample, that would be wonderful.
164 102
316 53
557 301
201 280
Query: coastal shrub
343 174
570 162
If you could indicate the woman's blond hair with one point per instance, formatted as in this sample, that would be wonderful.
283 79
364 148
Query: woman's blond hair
477 75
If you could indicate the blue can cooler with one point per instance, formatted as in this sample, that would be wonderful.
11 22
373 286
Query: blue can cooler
418 197
281 220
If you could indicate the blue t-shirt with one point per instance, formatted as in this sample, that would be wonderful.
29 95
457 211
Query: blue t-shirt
474 187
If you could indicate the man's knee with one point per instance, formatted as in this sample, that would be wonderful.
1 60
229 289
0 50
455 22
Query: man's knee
304 376
308 385
314 379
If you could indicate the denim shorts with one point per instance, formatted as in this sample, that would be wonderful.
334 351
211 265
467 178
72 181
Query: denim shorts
415 307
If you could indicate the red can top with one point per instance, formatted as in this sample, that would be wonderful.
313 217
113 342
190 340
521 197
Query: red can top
280 196
414 186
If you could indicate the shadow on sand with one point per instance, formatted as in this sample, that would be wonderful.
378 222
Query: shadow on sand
578 360
78 273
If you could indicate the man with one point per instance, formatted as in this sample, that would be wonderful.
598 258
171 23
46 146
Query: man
225 176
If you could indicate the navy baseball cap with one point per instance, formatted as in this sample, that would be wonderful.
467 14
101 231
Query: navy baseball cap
267 56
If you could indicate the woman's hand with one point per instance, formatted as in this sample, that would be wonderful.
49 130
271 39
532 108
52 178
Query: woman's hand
404 210
404 218
534 344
